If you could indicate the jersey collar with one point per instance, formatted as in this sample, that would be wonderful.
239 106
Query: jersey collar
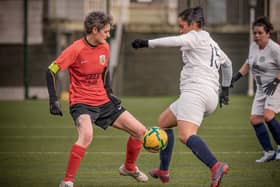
87 42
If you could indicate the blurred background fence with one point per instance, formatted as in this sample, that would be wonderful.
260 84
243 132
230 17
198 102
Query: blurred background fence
34 32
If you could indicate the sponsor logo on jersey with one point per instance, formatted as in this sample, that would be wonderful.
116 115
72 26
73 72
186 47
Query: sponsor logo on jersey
102 59
258 69
83 61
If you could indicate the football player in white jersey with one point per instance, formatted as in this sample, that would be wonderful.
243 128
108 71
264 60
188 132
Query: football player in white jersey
199 91
264 63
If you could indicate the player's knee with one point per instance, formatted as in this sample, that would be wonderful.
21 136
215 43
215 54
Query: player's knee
139 133
255 120
161 121
86 138
183 138
268 115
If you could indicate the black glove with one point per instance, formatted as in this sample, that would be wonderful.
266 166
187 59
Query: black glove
224 96
139 43
235 78
270 88
55 108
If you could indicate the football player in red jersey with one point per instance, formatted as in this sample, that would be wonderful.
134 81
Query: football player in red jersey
90 97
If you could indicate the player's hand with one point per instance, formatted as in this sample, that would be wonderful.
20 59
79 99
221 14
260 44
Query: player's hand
270 88
115 100
55 108
139 43
224 96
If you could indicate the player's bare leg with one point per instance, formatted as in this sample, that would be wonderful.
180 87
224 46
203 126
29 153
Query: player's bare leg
85 135
137 130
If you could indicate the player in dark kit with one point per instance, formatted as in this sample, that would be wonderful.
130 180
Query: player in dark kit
91 98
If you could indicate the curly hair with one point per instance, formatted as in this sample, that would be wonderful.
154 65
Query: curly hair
98 20
193 15
265 22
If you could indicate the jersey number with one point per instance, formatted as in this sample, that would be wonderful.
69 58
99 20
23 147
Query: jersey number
214 56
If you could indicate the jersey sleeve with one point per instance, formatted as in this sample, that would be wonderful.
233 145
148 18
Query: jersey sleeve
67 57
226 67
186 40
275 53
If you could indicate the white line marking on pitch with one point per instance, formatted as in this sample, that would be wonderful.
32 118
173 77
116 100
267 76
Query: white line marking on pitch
122 153
72 127
107 137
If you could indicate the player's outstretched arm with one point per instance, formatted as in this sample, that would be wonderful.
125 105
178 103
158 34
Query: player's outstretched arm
171 41
54 104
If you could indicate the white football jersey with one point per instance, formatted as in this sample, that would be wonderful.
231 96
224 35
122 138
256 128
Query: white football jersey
264 63
202 58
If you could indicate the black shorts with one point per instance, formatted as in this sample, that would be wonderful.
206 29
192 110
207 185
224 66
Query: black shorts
103 116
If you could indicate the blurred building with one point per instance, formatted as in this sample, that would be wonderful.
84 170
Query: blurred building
34 32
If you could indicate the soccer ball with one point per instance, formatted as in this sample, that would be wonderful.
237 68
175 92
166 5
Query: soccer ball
155 140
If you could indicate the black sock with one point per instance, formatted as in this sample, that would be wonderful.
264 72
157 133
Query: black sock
263 136
201 150
165 155
274 128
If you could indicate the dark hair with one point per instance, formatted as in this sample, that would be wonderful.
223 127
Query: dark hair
193 15
96 19
263 21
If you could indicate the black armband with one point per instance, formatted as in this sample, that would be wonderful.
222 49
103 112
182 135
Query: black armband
50 77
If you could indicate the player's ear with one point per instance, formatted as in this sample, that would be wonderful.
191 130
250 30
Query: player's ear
193 24
94 30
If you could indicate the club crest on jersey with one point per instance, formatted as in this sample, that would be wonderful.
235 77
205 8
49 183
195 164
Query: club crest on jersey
102 59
